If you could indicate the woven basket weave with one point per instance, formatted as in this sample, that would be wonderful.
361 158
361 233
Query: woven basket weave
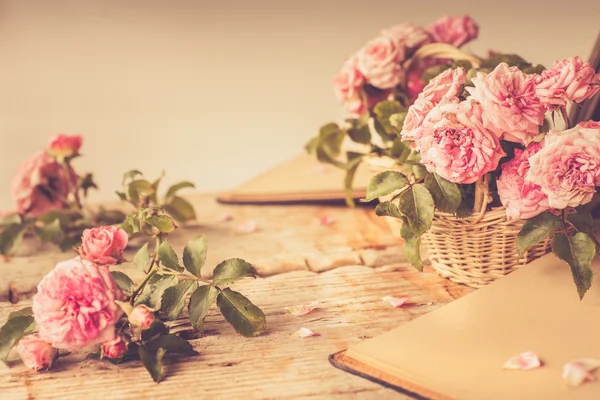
475 250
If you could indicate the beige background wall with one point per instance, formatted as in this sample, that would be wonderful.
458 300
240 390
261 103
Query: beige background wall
215 91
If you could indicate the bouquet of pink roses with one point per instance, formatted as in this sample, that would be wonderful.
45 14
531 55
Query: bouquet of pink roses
483 142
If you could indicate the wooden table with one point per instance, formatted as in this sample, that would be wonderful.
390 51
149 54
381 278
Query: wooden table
347 266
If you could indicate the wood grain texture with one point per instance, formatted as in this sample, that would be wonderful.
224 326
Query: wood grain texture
278 364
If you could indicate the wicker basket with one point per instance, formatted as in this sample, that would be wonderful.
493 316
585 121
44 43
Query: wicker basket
475 250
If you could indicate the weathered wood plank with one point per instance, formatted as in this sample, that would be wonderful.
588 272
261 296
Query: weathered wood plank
278 364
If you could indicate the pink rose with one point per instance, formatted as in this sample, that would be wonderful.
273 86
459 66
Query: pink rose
36 353
379 62
568 166
522 199
454 30
447 85
511 107
41 185
590 124
141 317
103 245
569 80
63 146
407 36
347 85
114 348
75 307
455 144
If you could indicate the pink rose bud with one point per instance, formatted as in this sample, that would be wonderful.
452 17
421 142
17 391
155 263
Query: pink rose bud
36 353
62 146
142 317
103 245
114 348
456 30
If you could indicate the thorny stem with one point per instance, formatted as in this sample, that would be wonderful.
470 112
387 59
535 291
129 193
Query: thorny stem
153 269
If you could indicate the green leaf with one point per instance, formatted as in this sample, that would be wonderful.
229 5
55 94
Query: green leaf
354 160
386 137
397 121
180 209
123 281
172 344
384 110
51 232
178 186
245 317
412 242
168 257
194 255
446 195
12 331
535 230
154 290
142 258
122 195
155 330
360 134
324 157
130 175
387 208
330 139
139 188
400 150
417 205
153 363
162 222
11 219
312 145
200 302
11 238
419 171
584 222
385 183
24 312
173 299
578 251
232 270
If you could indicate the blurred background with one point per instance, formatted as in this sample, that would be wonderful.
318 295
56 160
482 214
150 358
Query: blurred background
216 91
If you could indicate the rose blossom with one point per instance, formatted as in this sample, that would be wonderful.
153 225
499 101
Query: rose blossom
36 353
522 199
75 305
568 80
64 145
511 107
454 30
446 85
103 245
114 348
407 36
347 86
454 143
568 166
41 185
379 62
141 317
590 124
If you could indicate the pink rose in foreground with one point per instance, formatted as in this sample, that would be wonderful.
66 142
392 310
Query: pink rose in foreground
62 146
36 353
447 85
455 145
141 317
454 30
511 108
103 245
590 124
75 307
41 185
379 62
114 348
522 199
568 166
407 36
347 86
568 80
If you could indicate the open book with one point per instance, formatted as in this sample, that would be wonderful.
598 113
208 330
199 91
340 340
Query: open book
458 351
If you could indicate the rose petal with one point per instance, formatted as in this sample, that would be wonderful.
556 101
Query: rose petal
302 309
395 301
327 220
305 332
524 361
246 227
580 371
226 217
